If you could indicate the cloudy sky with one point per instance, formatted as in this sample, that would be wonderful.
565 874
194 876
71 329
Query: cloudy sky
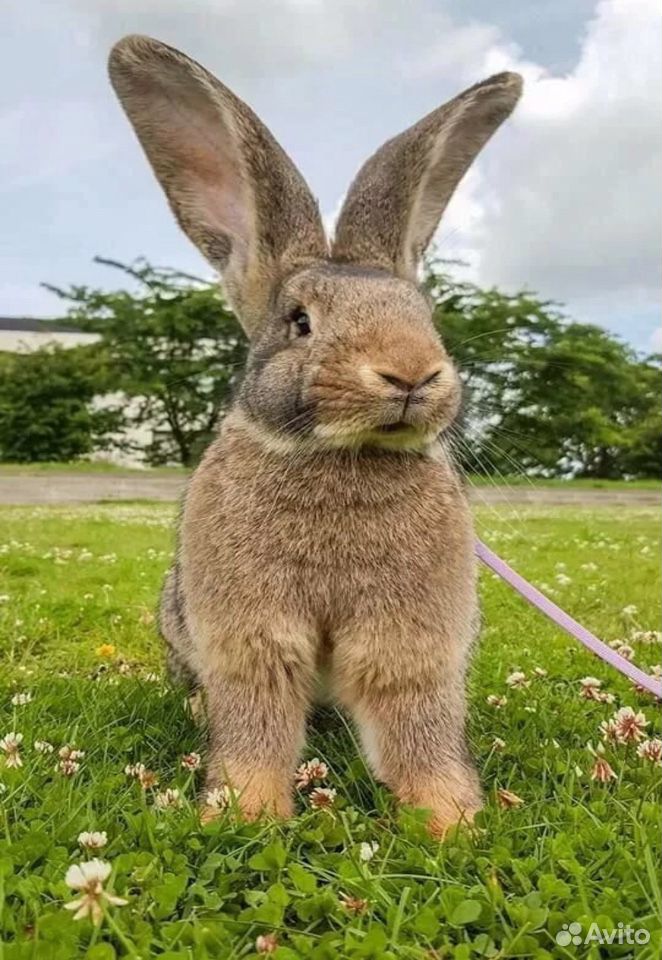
566 200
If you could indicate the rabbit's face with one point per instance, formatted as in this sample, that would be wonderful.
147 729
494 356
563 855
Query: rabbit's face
343 350
350 358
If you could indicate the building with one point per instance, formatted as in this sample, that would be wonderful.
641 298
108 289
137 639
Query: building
22 334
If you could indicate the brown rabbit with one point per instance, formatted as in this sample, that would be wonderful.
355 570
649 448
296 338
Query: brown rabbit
326 529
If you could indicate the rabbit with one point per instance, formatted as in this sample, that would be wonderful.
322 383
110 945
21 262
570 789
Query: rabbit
326 530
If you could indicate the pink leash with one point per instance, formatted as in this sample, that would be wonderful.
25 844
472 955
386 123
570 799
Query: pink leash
565 621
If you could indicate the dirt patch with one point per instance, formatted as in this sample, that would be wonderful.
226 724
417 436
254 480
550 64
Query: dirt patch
86 488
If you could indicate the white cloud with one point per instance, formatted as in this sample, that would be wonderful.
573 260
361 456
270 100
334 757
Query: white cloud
565 200
569 201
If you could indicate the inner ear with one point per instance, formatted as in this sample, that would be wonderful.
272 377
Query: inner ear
233 189
396 201
189 139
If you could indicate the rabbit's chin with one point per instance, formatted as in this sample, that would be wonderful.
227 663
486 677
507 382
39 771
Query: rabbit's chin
390 437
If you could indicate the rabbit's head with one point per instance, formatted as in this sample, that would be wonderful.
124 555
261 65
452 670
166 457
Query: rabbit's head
343 348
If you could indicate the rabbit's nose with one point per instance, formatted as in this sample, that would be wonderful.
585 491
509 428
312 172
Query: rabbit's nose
407 385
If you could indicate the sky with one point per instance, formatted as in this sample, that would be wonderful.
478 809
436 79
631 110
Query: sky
565 201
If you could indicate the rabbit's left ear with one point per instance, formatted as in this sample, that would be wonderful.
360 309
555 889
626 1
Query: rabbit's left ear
231 186
396 201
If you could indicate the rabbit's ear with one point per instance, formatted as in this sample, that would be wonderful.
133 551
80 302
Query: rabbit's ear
231 186
396 201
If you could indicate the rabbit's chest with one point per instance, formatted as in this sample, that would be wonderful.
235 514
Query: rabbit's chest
327 531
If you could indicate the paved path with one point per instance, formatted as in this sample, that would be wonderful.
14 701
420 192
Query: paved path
91 487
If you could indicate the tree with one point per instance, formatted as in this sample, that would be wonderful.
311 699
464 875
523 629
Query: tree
173 348
47 409
545 395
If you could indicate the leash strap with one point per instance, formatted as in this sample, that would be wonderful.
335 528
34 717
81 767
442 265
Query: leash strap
565 621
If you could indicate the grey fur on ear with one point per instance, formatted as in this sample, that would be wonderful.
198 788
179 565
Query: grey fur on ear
231 186
396 201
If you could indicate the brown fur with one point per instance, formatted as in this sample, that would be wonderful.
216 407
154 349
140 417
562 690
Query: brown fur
325 529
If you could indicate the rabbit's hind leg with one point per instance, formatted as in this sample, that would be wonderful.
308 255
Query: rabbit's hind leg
173 629
406 694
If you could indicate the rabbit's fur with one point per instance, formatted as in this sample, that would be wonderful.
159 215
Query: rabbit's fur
326 529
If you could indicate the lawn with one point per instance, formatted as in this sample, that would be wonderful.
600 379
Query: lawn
82 668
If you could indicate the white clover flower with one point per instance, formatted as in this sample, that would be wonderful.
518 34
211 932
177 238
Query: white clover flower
626 651
602 771
219 798
507 799
169 798
493 700
590 687
21 699
88 878
67 767
626 726
630 724
368 850
563 579
322 798
651 750
134 769
93 840
647 636
10 745
191 761
266 943
517 679
43 746
310 771
630 611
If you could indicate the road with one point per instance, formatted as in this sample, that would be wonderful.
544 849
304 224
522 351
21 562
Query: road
93 487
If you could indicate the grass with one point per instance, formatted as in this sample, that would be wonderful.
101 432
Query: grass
574 850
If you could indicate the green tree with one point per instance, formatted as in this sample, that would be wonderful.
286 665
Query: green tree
172 347
47 409
545 395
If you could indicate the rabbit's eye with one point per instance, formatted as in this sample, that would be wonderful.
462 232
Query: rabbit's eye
300 322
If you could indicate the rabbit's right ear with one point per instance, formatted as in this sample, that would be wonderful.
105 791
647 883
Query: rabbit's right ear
396 201
231 186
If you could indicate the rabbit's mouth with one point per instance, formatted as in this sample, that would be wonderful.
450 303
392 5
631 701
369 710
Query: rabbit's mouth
393 427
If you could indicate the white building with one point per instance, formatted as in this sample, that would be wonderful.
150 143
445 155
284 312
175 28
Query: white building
19 334
22 334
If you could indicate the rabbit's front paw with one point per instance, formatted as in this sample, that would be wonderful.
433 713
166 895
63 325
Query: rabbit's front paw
260 794
445 819
453 801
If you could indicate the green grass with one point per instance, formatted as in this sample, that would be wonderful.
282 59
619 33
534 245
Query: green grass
574 850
